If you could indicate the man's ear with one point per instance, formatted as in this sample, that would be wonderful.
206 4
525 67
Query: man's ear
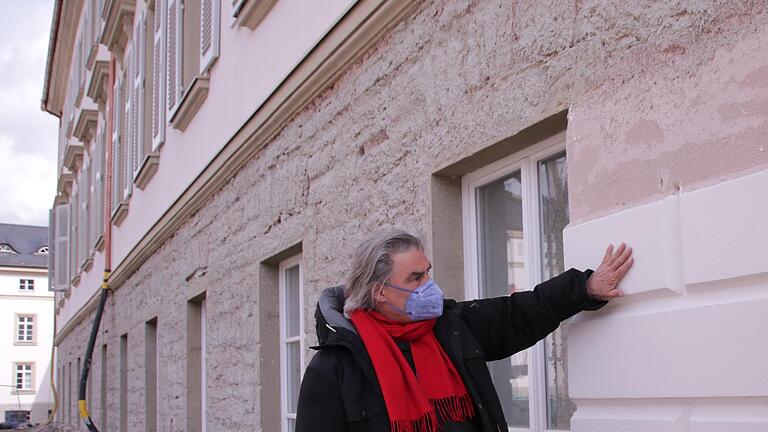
378 293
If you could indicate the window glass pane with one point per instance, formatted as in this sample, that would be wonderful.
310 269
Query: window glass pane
292 311
293 371
553 204
291 425
502 270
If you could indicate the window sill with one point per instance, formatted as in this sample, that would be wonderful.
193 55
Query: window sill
253 12
92 53
190 103
86 124
99 245
87 264
73 155
17 343
65 184
22 392
119 214
75 280
97 88
117 24
147 170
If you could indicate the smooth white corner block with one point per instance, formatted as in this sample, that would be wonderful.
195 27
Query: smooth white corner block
653 232
725 229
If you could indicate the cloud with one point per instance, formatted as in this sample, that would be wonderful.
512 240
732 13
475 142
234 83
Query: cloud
28 136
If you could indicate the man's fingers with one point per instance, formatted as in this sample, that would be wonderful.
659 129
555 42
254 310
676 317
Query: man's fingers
608 253
621 271
617 253
622 258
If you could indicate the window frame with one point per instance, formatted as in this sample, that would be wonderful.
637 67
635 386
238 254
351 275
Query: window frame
28 287
285 265
17 322
526 161
15 371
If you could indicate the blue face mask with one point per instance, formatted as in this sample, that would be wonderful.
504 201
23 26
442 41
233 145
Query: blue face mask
423 303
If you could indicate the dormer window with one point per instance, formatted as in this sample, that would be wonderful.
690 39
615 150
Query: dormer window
5 248
42 251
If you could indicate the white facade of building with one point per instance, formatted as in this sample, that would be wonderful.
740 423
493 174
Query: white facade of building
26 339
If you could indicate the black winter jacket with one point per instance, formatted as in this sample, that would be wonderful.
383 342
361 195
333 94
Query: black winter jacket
340 391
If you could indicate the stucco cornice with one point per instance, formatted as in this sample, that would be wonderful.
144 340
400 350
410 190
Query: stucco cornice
64 26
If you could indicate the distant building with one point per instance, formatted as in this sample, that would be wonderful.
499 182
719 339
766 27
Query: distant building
26 321
223 157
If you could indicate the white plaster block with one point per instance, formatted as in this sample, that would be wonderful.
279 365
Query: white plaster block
653 232
725 229
742 416
703 351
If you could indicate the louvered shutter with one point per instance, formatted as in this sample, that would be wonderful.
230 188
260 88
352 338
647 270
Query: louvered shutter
100 195
158 76
116 147
95 180
52 249
138 151
74 206
210 14
61 268
237 6
127 125
175 45
83 223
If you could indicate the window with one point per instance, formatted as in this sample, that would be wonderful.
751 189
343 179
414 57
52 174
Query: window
26 284
196 360
25 329
150 375
123 411
515 211
291 339
24 377
192 30
4 248
43 250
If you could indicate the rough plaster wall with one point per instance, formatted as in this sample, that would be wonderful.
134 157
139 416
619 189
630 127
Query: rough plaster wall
449 81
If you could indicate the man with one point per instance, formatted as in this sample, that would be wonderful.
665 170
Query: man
395 356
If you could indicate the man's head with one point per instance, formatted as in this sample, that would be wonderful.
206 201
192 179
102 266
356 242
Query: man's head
389 258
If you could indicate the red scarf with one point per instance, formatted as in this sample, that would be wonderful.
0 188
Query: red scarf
411 402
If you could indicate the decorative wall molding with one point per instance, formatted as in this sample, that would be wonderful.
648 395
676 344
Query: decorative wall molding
190 103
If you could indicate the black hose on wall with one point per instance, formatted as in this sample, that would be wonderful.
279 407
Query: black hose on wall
88 354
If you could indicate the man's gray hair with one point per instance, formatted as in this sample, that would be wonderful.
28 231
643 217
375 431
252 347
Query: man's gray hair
372 266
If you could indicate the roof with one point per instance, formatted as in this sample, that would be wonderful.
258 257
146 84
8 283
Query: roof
25 240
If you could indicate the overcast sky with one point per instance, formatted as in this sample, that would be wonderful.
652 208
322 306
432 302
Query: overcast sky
27 135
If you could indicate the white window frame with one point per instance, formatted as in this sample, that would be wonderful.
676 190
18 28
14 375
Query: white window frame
526 161
29 329
26 285
23 389
282 267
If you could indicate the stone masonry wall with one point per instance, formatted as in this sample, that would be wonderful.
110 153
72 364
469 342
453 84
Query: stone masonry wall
450 80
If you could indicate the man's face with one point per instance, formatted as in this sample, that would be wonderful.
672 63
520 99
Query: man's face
409 270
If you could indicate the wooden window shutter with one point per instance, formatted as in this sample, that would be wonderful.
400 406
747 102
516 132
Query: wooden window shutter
74 206
210 19
116 147
128 126
141 31
175 53
100 192
158 77
52 219
84 194
61 247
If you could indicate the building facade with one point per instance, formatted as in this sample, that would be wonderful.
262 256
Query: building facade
26 311
222 158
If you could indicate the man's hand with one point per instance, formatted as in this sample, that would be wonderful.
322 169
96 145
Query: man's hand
603 283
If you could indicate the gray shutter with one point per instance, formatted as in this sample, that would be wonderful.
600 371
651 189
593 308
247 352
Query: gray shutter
52 249
116 147
84 226
61 267
127 127
210 19
158 76
138 154
175 63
